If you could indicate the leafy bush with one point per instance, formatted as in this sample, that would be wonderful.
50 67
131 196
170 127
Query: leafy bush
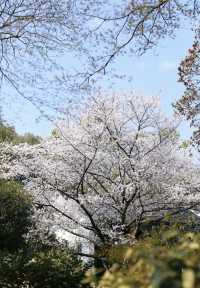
55 268
32 263
169 259
15 215
11 269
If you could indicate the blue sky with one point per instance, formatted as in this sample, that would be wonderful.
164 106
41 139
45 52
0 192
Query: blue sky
153 74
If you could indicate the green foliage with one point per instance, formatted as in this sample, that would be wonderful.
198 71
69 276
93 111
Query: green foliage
168 259
55 133
185 144
8 134
12 269
32 263
28 138
15 215
55 268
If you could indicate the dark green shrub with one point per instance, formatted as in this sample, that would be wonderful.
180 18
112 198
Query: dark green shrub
12 269
15 215
54 268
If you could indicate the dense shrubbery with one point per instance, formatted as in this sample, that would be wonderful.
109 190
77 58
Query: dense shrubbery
23 262
11 269
168 259
15 215
54 268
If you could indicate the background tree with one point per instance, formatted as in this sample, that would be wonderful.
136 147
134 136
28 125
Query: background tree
9 135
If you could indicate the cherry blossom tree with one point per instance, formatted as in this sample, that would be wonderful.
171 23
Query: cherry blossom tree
107 29
113 165
32 34
189 72
36 34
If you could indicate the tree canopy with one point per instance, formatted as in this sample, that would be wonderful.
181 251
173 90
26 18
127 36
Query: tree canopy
117 164
37 35
189 104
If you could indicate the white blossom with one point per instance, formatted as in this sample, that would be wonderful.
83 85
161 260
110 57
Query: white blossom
117 163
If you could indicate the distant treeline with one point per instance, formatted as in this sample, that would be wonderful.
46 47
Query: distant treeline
9 134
